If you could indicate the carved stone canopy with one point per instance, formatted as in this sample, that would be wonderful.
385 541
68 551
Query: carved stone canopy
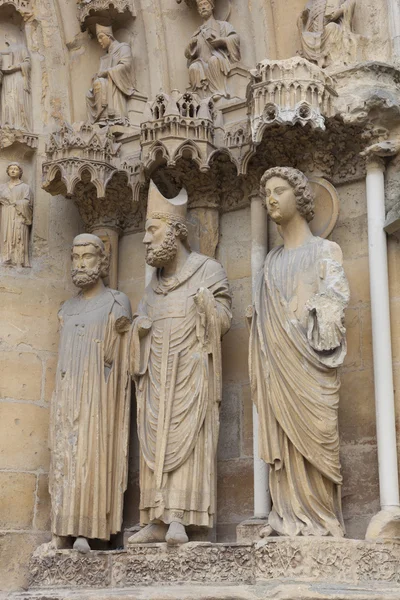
84 163
91 12
23 7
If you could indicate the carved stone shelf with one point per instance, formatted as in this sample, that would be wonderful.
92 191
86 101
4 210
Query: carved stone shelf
326 561
10 136
90 11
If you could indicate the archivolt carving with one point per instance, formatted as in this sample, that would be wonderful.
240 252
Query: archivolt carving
88 10
24 7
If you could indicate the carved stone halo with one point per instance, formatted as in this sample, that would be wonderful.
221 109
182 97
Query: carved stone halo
327 207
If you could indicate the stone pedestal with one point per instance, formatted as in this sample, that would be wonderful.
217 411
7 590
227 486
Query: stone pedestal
248 531
287 568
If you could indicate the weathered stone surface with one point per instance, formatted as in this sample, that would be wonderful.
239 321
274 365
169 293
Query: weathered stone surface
17 499
69 568
12 385
23 436
43 504
15 552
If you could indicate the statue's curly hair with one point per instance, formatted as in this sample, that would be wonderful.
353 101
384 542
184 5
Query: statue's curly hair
305 199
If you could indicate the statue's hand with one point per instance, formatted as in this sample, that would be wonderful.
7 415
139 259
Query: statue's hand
204 300
122 324
325 323
143 325
218 42
102 74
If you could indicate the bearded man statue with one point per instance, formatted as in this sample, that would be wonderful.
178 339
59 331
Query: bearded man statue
176 365
90 406
211 52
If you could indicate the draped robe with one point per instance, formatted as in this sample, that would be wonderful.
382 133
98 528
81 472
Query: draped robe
180 412
15 91
296 388
108 97
90 418
329 43
208 65
15 221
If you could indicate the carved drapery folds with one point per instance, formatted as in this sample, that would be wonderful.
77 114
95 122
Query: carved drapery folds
84 163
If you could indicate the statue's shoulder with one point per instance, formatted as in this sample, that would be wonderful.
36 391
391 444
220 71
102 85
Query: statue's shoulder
211 266
331 250
121 299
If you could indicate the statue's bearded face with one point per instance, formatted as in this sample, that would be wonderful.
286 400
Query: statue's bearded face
161 243
86 265
280 200
205 8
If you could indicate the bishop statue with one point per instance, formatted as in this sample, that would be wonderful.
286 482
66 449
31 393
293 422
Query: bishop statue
176 364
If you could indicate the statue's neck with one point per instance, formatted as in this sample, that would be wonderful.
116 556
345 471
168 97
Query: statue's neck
175 265
296 232
94 289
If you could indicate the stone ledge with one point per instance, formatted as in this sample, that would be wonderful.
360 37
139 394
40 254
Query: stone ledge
277 591
318 560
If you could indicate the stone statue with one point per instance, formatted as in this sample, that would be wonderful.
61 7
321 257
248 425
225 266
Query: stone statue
327 36
15 218
113 85
176 364
89 423
15 86
214 47
297 342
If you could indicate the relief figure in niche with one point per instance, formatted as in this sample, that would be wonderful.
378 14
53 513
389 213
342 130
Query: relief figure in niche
176 364
15 218
297 343
15 85
214 47
113 85
89 423
327 36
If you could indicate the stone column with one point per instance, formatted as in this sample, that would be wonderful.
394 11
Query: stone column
110 238
248 531
386 524
394 26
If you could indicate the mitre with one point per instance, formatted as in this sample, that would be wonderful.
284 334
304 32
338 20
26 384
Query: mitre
170 208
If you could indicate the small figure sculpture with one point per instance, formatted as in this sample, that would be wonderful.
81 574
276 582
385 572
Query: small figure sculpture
15 218
214 47
327 34
297 342
176 364
15 82
90 406
107 100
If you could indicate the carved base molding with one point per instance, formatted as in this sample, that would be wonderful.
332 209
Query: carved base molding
314 560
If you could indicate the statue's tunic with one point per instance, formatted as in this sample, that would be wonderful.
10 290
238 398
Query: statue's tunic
296 388
178 387
15 93
15 221
90 418
209 65
108 97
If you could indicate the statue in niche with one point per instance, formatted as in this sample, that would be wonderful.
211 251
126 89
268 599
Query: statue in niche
113 85
15 219
89 424
214 47
326 29
297 342
15 86
176 365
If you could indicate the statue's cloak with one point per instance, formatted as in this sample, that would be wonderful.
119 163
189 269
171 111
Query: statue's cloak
186 492
296 389
90 418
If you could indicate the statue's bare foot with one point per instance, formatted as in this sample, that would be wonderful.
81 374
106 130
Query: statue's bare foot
82 545
266 531
176 534
154 532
